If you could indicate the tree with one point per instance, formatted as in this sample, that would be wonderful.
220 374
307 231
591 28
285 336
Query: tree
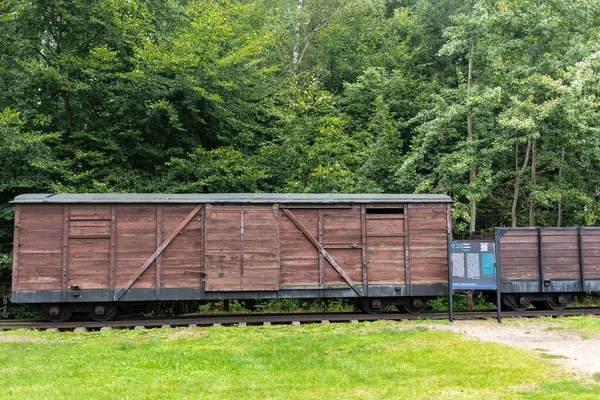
512 105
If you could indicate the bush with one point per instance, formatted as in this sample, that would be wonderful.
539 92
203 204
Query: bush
459 300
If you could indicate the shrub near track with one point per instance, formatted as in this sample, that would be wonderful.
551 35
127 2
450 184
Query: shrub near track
367 360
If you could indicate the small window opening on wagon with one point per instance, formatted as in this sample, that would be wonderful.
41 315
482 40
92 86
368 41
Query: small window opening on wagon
389 210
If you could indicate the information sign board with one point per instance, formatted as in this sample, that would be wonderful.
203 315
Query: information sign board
473 265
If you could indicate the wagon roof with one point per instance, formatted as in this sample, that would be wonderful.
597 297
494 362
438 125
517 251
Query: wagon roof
230 198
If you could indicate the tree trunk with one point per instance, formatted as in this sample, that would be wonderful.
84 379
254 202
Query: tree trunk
296 52
68 117
533 183
560 199
518 177
473 211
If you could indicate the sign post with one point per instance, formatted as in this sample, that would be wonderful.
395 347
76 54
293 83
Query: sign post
472 266
450 283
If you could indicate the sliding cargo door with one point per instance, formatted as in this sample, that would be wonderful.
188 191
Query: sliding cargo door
386 259
88 248
242 249
322 248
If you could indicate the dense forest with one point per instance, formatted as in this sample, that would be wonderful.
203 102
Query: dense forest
495 103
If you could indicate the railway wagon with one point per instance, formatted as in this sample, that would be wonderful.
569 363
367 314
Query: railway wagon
547 267
91 252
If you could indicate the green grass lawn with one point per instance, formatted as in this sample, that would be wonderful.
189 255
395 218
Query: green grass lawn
587 325
337 361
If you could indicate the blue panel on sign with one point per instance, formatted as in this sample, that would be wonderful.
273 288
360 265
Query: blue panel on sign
487 264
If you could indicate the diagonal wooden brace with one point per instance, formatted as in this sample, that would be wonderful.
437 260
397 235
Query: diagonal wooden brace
159 250
321 250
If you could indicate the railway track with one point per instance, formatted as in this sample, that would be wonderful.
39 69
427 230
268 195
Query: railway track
276 319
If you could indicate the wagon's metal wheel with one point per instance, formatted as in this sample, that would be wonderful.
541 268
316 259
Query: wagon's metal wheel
551 305
104 312
558 302
415 306
522 305
62 317
371 306
57 313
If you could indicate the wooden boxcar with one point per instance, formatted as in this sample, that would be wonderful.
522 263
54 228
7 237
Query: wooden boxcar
546 267
88 252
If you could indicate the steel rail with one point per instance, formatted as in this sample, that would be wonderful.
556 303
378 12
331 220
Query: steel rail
281 319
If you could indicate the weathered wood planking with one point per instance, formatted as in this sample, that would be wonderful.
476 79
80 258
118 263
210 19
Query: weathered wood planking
181 259
385 227
160 209
38 255
260 247
315 242
386 249
386 261
519 254
591 252
160 248
428 234
89 263
136 242
224 250
242 247
342 227
350 261
299 258
560 255
89 230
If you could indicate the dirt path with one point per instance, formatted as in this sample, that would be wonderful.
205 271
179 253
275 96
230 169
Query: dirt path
578 353
22 338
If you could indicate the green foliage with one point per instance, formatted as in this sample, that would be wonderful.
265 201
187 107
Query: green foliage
27 159
6 260
308 305
586 300
22 312
278 306
459 302
221 170
519 93
218 307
